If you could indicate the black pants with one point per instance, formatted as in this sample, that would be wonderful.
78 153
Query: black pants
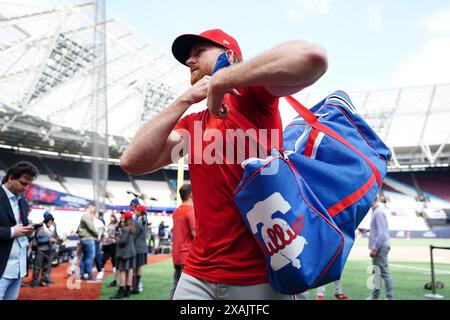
42 262
98 258
109 252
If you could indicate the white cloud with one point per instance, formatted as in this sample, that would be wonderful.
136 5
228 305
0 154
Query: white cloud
373 22
438 23
294 15
315 6
430 64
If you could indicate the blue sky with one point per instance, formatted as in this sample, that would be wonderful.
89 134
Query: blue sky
370 44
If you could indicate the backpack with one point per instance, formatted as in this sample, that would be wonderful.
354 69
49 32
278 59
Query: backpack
304 202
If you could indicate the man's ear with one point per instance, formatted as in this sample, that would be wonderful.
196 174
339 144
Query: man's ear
231 56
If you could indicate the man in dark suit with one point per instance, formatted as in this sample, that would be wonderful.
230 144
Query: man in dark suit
14 228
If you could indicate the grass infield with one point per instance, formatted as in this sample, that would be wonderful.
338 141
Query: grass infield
409 277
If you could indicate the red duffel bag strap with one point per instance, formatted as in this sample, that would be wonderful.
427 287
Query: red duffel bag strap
311 119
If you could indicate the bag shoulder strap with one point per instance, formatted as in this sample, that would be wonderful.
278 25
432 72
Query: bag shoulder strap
311 119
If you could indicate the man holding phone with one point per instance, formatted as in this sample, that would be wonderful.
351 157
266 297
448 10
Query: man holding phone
14 228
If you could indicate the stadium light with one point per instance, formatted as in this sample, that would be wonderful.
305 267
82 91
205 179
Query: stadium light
66 59
156 97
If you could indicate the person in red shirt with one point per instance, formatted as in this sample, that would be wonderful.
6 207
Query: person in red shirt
183 233
225 261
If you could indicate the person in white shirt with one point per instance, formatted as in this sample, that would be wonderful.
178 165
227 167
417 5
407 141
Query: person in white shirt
379 246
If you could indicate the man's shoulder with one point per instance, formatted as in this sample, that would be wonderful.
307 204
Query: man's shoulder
187 208
378 212
183 210
196 115
86 217
3 195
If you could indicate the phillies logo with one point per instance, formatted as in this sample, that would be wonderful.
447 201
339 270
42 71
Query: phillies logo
281 236
281 242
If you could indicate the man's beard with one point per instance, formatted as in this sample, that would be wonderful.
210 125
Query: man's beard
197 75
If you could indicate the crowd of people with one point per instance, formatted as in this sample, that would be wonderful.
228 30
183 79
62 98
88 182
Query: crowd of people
26 246
124 241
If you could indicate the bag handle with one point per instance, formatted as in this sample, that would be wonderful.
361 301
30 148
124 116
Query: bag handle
305 113
311 119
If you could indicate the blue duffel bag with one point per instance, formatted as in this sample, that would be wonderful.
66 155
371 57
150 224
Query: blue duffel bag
304 202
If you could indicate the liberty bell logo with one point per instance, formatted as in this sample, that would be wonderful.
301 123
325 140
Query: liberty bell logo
281 242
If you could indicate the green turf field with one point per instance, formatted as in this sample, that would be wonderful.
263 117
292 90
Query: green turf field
409 277
156 279
409 242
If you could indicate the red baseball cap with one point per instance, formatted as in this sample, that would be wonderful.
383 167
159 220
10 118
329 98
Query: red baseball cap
141 208
181 47
127 215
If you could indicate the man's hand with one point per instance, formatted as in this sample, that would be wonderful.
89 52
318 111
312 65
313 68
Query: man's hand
216 92
373 253
53 240
20 231
198 91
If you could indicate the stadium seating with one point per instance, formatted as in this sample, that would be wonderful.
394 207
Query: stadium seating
397 200
435 183
400 219
80 187
46 182
403 209
118 192
159 190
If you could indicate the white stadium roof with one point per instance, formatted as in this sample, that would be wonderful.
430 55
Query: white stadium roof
413 122
47 84
46 70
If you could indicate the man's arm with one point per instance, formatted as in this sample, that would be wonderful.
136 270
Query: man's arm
191 222
381 228
90 225
283 70
5 233
377 230
151 147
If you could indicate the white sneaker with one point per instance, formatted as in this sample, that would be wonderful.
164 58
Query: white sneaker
100 275
372 298
141 287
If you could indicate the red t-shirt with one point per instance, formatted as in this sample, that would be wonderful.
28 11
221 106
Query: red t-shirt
224 250
183 223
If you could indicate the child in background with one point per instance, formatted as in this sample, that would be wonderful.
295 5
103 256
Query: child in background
140 243
126 255
109 246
